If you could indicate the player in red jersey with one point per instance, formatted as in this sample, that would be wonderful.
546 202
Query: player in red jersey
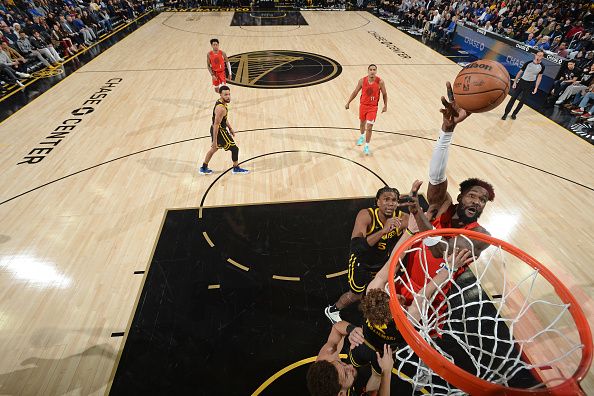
370 87
442 213
215 62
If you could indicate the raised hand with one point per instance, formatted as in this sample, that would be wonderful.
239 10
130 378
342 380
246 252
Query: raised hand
452 113
386 361
412 199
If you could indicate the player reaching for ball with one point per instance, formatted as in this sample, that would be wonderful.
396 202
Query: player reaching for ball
370 87
481 86
442 213
215 62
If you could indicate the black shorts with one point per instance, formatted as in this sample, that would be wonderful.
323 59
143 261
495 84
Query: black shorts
224 139
364 354
360 274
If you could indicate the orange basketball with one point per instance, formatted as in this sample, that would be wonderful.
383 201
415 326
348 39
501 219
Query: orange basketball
481 86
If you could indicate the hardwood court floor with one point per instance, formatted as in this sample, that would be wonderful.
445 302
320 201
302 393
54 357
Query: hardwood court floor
76 225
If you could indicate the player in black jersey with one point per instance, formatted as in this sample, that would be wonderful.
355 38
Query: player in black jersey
375 234
329 376
379 330
222 134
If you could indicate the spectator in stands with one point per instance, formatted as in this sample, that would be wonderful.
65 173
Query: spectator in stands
578 88
543 43
80 27
9 35
12 58
566 27
102 18
550 28
583 105
71 31
583 43
90 22
8 74
562 51
27 50
60 37
569 75
530 41
508 20
435 20
499 29
404 9
449 30
44 47
577 29
555 44
557 33
533 29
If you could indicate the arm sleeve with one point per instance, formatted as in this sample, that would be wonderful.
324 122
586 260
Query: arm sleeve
439 158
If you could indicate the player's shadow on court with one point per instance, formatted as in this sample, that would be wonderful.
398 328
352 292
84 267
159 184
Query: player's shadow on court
35 372
170 167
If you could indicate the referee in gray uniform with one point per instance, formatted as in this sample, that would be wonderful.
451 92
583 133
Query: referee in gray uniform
528 74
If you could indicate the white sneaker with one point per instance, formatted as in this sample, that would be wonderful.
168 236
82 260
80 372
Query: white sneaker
591 119
333 316
20 84
24 75
558 102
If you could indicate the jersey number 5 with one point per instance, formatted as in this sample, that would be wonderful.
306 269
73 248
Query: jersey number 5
381 246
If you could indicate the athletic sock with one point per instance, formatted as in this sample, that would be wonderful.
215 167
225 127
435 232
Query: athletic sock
204 165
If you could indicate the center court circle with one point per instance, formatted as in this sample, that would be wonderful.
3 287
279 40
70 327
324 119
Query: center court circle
277 69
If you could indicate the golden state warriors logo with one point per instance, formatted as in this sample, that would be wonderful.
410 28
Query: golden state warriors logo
48 72
282 69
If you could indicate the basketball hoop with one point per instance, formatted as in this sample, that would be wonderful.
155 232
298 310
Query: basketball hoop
508 326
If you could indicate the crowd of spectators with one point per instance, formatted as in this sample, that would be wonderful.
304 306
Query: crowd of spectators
41 33
558 26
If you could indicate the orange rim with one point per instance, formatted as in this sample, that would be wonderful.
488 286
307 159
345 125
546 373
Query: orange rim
459 377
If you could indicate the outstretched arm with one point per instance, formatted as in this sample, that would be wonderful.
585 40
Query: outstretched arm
355 92
333 345
386 362
437 193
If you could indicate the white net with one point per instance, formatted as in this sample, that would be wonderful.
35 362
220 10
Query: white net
500 320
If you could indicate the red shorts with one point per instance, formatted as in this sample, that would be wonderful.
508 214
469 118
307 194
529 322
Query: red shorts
367 113
219 78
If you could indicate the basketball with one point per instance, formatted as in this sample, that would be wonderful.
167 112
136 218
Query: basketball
481 86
